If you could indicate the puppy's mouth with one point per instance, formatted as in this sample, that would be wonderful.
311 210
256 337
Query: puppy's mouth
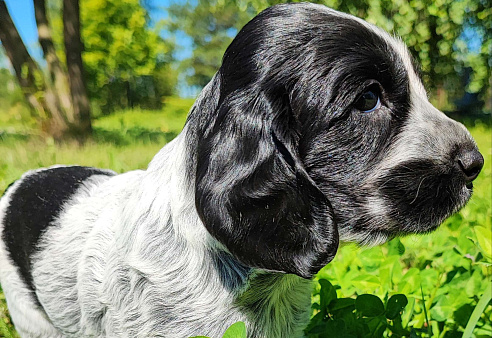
420 195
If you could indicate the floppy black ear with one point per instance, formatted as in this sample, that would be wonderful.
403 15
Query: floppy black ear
252 192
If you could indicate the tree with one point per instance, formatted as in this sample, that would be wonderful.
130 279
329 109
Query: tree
12 101
126 62
48 96
478 22
31 79
439 35
211 25
124 57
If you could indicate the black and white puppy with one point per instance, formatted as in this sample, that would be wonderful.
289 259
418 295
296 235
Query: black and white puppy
316 129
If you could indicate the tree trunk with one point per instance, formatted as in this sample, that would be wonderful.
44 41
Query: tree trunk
26 70
58 76
30 77
73 52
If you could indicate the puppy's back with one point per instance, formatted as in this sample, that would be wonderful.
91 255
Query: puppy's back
32 203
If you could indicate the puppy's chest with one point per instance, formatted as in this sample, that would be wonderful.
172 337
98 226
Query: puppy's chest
275 305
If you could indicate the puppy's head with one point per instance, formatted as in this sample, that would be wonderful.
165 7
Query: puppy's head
315 128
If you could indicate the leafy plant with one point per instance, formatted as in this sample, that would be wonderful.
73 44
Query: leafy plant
364 316
236 330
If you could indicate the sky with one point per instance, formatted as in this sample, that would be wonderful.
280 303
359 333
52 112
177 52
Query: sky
22 13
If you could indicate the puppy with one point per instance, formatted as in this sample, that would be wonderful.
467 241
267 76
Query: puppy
316 129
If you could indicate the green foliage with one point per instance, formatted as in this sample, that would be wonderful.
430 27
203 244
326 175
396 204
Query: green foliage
13 108
124 57
127 63
236 330
364 316
479 310
121 51
484 241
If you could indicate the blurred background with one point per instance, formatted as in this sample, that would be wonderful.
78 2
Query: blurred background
107 83
66 64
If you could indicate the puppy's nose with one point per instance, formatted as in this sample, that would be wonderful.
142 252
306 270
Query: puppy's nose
470 161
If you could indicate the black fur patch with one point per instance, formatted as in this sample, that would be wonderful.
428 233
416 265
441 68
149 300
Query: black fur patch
34 204
421 194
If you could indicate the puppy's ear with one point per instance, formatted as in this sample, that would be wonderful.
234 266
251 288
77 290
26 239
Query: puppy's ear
253 193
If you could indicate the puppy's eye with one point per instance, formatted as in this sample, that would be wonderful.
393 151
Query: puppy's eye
369 101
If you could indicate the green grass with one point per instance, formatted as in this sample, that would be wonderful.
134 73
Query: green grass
123 141
443 275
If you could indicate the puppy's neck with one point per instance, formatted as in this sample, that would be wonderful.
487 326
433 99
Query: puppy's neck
171 180
272 304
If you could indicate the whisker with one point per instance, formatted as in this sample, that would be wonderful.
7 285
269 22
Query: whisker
418 189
